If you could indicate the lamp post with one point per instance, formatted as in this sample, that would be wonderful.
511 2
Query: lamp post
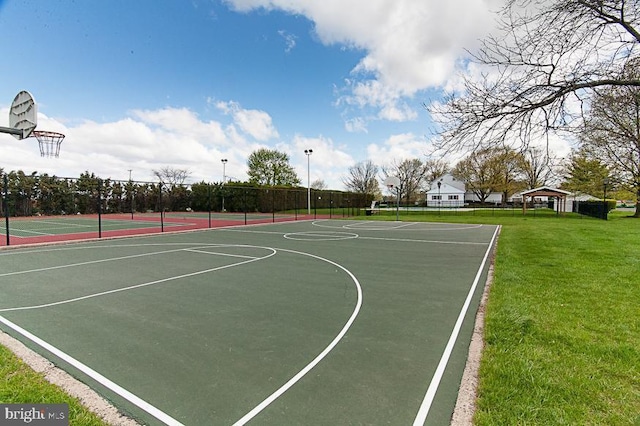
439 197
308 153
131 192
224 178
605 182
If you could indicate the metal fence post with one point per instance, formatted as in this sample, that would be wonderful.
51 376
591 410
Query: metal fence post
5 205
99 208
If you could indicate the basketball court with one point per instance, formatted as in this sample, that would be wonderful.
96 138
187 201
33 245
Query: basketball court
308 322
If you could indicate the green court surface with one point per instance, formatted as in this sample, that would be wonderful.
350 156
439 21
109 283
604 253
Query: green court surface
328 322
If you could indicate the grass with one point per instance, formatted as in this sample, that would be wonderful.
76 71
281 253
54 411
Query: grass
20 384
563 325
562 334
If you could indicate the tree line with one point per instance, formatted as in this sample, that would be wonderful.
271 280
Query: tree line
34 194
559 68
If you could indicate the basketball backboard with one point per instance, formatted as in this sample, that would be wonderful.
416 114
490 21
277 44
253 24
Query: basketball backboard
392 182
23 115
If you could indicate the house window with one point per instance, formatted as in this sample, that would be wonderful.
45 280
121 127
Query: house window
453 197
436 197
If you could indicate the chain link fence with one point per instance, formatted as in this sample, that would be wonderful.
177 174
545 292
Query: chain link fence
44 208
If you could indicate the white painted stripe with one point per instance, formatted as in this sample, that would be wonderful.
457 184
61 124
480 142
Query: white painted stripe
132 287
90 262
137 401
215 253
421 417
411 240
264 404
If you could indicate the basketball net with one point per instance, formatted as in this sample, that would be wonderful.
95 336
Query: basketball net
49 142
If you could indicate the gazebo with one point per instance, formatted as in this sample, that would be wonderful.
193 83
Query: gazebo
546 191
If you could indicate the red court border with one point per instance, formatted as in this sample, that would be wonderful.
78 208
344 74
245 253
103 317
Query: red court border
175 222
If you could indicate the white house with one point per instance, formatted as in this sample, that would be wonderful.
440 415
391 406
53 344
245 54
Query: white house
446 191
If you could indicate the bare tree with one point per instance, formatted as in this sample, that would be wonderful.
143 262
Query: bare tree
362 178
171 177
538 168
412 174
319 184
435 169
172 183
538 75
612 134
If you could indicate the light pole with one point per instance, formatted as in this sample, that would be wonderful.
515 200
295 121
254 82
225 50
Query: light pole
439 197
224 178
131 192
308 153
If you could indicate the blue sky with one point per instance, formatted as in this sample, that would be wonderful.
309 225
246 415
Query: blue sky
140 85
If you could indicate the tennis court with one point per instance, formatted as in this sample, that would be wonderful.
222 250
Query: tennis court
42 229
307 322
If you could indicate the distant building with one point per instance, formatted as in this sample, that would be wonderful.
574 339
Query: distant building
452 193
446 191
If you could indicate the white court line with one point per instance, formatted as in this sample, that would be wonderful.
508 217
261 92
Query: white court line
118 290
359 236
372 226
89 262
275 395
134 399
69 224
250 231
421 417
26 231
409 240
213 253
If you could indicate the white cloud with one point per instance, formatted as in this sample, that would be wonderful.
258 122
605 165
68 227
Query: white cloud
409 46
398 148
328 162
255 123
182 121
289 39
148 140
356 125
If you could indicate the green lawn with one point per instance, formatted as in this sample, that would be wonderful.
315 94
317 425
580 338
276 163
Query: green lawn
19 384
562 325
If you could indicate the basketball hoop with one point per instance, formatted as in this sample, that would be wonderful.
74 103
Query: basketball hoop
392 182
49 142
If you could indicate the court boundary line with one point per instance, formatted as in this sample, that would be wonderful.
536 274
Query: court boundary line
109 384
425 406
